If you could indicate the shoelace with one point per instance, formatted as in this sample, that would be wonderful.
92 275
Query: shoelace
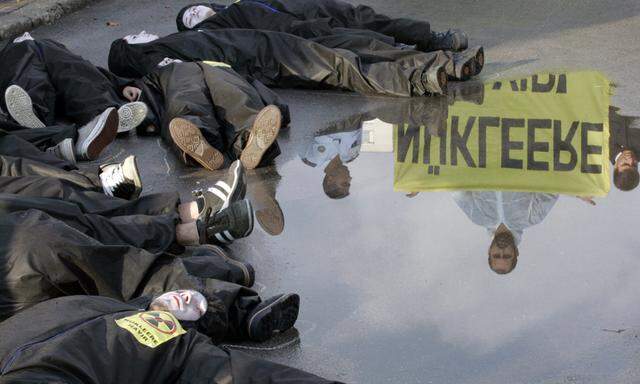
112 179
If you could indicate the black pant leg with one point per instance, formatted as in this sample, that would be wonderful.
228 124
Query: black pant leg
23 64
43 258
29 145
90 200
82 90
18 166
187 96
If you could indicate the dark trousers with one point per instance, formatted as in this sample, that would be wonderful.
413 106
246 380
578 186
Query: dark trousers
342 14
281 60
42 258
216 99
59 83
30 143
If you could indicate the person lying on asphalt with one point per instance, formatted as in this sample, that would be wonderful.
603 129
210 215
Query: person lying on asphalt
66 339
283 60
42 81
107 207
209 112
310 19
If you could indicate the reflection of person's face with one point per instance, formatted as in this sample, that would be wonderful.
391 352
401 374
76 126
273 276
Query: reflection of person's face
627 160
340 177
502 251
183 304
140 38
196 14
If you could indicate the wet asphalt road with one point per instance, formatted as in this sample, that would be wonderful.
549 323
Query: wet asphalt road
397 289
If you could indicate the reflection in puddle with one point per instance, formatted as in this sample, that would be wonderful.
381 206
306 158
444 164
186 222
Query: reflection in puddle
506 149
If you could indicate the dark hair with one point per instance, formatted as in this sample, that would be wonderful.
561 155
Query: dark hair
333 190
627 179
514 262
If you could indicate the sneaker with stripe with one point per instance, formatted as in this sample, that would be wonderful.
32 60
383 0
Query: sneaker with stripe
232 223
231 188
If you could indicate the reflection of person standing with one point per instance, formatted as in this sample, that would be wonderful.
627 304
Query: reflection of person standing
335 150
505 215
624 150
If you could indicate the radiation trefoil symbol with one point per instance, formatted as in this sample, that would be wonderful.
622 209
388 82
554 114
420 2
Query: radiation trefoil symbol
160 321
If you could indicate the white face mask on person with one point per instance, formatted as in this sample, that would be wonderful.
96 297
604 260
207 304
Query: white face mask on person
185 305
196 15
141 38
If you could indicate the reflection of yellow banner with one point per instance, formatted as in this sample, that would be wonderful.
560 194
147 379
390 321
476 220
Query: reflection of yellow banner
545 133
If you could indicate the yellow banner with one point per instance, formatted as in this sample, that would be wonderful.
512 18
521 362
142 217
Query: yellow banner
217 64
152 328
544 133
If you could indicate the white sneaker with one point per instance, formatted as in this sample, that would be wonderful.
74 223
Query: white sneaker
20 107
131 115
64 150
121 179
24 37
97 134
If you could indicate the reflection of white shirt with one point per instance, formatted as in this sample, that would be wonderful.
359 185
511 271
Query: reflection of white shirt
326 147
516 210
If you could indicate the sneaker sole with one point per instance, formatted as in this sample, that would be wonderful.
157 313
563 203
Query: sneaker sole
100 140
190 140
130 116
247 269
20 107
466 70
263 133
278 317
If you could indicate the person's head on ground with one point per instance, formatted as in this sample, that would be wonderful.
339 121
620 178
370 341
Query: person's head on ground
625 171
503 251
185 305
192 15
140 38
337 179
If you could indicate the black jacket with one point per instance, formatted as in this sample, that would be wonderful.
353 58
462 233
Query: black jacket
311 19
88 339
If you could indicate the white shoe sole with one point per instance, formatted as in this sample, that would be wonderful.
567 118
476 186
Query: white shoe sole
131 115
20 107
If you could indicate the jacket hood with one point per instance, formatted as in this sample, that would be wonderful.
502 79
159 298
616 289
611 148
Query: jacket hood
181 27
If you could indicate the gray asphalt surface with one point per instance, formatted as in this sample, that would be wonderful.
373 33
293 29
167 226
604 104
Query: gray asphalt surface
397 290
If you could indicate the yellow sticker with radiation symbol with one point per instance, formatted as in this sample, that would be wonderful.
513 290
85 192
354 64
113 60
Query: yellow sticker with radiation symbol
152 328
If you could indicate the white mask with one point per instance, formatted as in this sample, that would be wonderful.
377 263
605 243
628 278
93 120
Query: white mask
166 61
140 38
183 304
195 15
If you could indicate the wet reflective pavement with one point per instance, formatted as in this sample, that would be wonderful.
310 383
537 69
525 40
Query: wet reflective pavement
394 278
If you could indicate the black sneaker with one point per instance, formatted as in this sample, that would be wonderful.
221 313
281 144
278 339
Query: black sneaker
434 80
226 191
234 222
464 65
272 316
208 261
121 179
264 132
451 40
